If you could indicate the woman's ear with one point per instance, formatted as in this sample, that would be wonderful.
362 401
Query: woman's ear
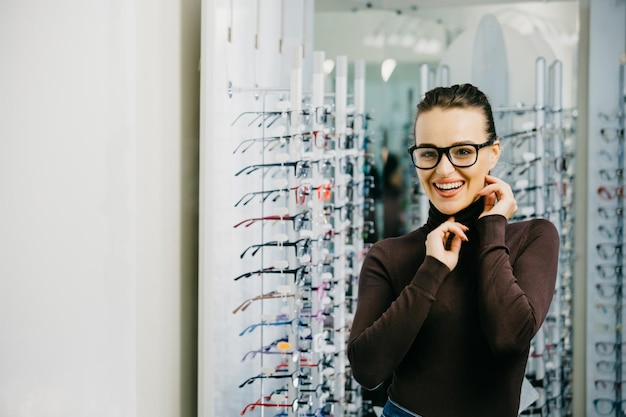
495 154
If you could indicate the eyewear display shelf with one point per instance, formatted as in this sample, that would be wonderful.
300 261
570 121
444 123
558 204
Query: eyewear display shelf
605 340
302 159
538 162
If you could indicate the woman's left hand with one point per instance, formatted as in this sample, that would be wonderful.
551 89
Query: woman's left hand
499 198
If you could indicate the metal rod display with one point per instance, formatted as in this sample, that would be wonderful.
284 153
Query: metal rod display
619 241
318 161
540 120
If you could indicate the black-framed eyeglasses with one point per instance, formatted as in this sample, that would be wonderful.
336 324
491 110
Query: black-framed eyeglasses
461 156
608 250
301 246
609 270
609 348
609 290
296 378
606 406
607 385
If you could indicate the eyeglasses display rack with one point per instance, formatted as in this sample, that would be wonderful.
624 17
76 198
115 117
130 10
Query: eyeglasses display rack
307 197
605 251
543 181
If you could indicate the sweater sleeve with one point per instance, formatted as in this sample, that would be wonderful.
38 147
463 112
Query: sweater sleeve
384 326
515 294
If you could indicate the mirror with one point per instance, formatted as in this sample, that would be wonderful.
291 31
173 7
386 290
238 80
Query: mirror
410 47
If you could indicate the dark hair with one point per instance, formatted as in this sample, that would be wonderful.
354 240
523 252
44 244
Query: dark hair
391 165
459 96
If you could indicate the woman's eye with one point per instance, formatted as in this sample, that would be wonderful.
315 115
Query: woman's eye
428 154
463 151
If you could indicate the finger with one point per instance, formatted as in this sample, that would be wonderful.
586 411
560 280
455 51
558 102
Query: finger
455 245
450 226
443 237
496 183
490 179
490 200
452 221
500 191
454 228
448 244
489 189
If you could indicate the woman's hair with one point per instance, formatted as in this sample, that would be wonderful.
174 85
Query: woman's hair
458 96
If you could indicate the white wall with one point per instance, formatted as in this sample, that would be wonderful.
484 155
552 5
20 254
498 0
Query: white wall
167 110
98 137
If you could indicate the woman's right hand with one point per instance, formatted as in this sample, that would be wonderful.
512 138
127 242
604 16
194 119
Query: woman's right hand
444 242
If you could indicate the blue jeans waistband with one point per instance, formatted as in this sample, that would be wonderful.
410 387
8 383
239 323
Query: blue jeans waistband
392 409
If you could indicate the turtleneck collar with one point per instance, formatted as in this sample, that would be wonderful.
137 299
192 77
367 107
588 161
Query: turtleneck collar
468 216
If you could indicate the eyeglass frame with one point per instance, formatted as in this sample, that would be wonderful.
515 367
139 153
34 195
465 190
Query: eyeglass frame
608 348
279 321
267 349
295 377
297 219
599 402
609 270
296 272
607 384
301 246
446 151
267 296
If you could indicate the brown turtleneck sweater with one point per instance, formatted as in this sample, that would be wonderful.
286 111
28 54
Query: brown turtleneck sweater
455 342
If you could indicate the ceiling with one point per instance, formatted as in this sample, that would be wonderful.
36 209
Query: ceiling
404 5
367 27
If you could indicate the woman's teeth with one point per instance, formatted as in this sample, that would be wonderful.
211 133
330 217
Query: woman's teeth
449 185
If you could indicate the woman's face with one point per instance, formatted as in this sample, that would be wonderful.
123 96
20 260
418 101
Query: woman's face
451 189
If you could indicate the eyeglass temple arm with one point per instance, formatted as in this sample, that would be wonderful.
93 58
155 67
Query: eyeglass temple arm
257 247
268 139
247 142
244 114
249 169
276 217
247 222
272 294
251 328
266 194
258 271
248 381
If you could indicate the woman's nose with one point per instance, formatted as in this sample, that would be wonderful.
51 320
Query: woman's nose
445 167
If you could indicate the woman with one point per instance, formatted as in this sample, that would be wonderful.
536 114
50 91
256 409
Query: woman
449 310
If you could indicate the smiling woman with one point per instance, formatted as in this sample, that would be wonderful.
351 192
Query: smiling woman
450 309
456 121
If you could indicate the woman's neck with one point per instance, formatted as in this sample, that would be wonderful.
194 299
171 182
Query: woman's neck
468 216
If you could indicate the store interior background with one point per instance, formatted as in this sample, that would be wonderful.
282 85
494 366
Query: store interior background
101 166
433 38
445 36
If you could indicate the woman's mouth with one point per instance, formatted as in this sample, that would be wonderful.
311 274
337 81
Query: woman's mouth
448 186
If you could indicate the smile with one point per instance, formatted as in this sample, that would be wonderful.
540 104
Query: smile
449 186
